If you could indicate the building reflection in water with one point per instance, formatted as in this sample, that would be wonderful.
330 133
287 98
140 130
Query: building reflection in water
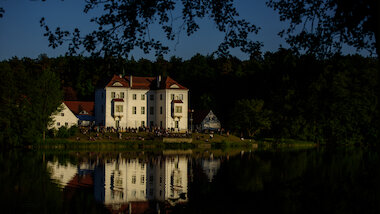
210 167
130 184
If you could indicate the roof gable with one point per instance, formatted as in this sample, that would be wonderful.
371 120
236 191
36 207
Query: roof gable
149 83
81 107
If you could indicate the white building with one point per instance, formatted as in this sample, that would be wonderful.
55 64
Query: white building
65 117
206 120
133 102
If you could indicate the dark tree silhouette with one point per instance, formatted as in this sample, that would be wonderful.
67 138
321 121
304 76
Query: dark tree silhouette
124 25
322 26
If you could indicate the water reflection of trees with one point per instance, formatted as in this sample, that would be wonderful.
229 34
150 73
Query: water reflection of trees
341 181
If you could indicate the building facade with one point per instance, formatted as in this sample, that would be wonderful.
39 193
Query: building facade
65 117
133 102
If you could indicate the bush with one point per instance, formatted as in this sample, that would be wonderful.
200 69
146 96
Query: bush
63 132
73 130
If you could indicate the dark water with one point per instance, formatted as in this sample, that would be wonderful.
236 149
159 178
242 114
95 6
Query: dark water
299 181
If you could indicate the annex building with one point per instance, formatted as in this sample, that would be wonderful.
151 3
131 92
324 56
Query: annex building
133 102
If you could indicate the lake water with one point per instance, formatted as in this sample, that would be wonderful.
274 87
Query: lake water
273 181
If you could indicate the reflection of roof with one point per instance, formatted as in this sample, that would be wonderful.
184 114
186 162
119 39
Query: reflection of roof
118 100
144 82
81 181
199 116
79 107
177 101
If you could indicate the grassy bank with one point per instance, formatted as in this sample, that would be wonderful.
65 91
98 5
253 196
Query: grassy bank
147 142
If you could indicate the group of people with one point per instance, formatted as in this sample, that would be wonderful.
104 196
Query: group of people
101 132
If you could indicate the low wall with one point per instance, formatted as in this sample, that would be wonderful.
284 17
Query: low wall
176 140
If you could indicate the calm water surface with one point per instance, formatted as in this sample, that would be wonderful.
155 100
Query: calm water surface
282 181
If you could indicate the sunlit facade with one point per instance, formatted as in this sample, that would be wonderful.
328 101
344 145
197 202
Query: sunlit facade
133 102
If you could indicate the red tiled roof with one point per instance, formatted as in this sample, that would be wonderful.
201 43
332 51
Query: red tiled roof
140 82
169 82
77 106
199 116
145 82
119 79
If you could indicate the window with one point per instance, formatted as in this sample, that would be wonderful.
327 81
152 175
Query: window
119 108
181 96
112 95
142 96
160 96
62 114
142 179
134 96
142 123
178 109
134 110
172 96
142 192
160 180
151 110
133 179
151 192
176 124
66 124
121 95
161 124
143 110
160 109
151 124
142 166
151 97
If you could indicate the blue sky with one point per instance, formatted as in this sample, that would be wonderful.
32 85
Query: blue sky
22 36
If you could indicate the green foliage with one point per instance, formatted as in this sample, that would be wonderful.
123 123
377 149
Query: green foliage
30 92
124 25
64 132
322 27
250 117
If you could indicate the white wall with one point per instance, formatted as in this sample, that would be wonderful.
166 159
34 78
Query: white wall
131 120
169 120
134 120
63 118
110 121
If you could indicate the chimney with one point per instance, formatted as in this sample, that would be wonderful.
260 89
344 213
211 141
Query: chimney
130 81
158 81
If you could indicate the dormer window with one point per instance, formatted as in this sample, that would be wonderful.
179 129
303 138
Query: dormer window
174 86
83 112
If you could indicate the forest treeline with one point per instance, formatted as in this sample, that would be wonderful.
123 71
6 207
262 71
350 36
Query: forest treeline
273 95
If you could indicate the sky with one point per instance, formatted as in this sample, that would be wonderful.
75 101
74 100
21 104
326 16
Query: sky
22 36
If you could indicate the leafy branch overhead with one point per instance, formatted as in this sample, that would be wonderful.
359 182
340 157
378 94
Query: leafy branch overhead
125 25
323 26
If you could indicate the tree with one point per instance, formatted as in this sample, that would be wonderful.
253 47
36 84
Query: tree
30 93
250 117
125 25
323 26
